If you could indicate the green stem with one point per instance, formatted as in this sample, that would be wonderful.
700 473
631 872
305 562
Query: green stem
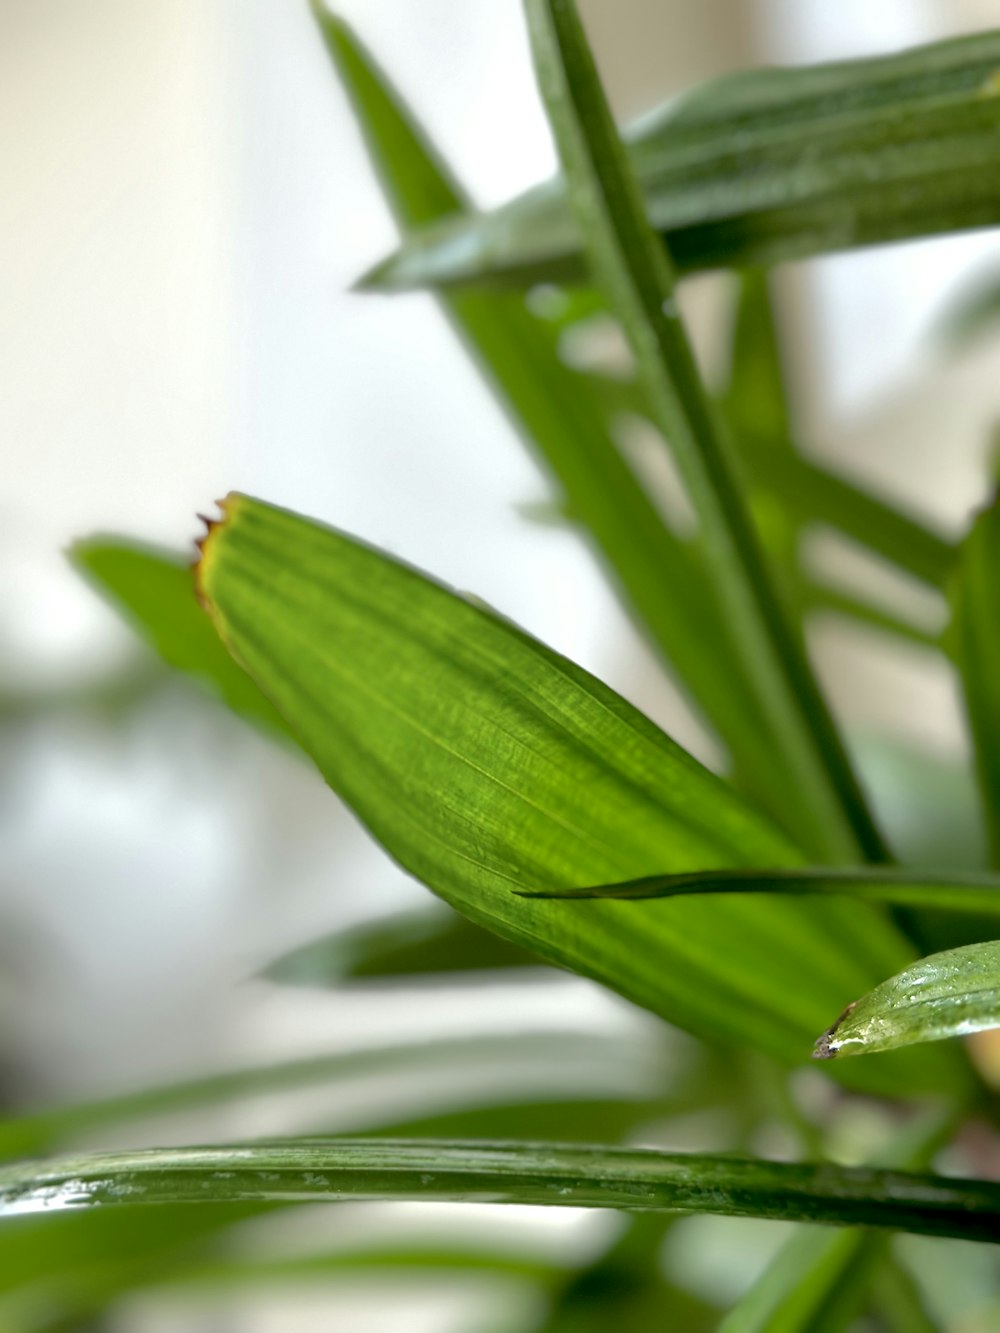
636 274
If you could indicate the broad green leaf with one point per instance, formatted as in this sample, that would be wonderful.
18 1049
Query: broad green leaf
765 166
405 945
154 590
949 994
975 639
484 762
559 413
636 275
949 891
554 1052
300 1170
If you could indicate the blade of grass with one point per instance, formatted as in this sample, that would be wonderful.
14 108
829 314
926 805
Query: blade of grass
558 413
635 272
949 994
947 890
551 1174
483 762
974 635
765 166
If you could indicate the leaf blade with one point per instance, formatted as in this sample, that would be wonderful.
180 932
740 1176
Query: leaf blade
633 268
947 994
766 166
559 1175
481 760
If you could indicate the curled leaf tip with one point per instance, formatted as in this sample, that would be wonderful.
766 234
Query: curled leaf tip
827 1047
204 545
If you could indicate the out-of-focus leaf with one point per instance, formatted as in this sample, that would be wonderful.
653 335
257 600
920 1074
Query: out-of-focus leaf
949 994
975 639
553 1051
764 166
974 314
554 1174
154 590
485 762
559 412
950 891
405 945
634 271
755 398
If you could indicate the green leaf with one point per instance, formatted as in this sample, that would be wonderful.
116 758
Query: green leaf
560 1175
949 994
42 1130
154 591
485 762
975 639
405 945
947 890
766 166
561 415
636 274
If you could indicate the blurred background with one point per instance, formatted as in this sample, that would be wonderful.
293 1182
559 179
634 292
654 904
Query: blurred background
184 204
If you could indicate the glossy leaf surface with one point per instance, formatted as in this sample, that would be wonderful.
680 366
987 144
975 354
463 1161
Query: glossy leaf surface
949 994
769 165
560 1175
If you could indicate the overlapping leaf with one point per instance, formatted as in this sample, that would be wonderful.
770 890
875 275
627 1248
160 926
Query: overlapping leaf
484 763
769 165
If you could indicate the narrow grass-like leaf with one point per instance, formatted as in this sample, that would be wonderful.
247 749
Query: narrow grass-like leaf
975 639
484 762
563 417
402 946
42 1131
154 590
635 272
949 891
949 994
765 166
554 1174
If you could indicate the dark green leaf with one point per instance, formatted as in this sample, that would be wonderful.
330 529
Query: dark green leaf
485 762
636 275
155 592
402 946
769 165
975 639
553 1174
949 994
950 891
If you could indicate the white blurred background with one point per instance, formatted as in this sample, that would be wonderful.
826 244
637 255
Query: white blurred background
184 201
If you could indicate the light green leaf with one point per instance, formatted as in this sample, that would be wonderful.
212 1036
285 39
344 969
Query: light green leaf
636 275
949 994
154 591
765 166
405 945
947 890
484 762
553 1174
975 640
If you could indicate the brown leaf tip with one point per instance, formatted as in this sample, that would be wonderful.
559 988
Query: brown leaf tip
827 1047
204 546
